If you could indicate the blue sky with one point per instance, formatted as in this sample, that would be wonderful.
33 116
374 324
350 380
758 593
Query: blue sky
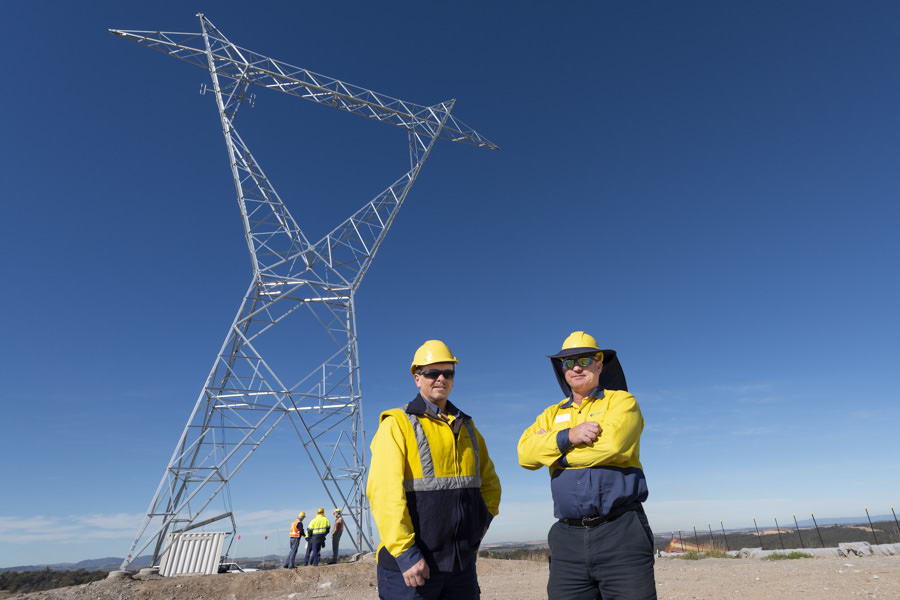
709 188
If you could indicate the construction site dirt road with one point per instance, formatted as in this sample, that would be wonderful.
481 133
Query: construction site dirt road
867 577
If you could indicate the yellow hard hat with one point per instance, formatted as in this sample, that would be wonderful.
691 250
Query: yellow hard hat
432 352
321 511
577 343
337 510
302 515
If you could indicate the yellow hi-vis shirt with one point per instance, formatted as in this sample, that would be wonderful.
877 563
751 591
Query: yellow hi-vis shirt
589 479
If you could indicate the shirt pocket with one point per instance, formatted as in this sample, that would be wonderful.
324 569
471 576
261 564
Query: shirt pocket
562 421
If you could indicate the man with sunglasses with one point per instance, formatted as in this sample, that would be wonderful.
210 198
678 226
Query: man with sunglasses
432 488
601 546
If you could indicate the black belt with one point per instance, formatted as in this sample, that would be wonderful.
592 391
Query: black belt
597 520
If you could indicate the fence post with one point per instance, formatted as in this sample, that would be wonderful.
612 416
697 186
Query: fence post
778 529
797 525
871 526
759 537
821 541
895 519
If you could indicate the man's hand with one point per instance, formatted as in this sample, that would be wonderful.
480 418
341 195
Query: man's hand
585 433
417 574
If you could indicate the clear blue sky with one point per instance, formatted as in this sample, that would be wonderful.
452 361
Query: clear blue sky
710 188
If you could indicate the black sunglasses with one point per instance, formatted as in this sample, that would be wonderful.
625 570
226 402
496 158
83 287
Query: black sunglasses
435 373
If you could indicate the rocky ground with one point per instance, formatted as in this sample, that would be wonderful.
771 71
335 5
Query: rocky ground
712 578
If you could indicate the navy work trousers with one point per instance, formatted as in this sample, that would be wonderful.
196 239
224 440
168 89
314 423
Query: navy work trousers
440 586
612 561
313 548
295 543
335 547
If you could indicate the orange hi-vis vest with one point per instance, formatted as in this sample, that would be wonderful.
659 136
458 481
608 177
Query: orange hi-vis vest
295 531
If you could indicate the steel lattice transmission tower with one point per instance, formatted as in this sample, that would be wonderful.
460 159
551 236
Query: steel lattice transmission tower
257 383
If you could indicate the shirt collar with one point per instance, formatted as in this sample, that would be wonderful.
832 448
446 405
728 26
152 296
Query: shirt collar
419 404
597 394
451 410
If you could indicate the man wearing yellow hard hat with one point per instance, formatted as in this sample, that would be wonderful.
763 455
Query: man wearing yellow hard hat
294 536
432 488
336 533
601 546
315 540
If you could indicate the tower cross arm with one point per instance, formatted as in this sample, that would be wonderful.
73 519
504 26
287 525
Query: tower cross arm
175 44
242 64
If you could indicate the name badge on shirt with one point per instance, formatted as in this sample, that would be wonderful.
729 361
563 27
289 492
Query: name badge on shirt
562 418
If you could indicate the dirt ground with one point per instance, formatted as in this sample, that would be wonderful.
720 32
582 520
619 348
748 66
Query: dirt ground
712 578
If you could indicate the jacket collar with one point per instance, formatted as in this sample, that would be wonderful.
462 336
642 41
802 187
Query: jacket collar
420 407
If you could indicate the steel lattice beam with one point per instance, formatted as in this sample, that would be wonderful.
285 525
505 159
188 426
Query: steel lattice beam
253 387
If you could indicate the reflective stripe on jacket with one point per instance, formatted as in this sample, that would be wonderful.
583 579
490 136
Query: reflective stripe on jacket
296 528
319 525
449 493
589 479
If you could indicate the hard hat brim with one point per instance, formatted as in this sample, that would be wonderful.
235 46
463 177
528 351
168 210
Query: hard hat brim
566 352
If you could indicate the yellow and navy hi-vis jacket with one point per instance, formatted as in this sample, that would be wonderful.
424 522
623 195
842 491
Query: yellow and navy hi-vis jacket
589 479
319 526
432 488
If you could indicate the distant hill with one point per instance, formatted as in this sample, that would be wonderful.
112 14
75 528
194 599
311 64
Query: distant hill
831 531
845 520
110 563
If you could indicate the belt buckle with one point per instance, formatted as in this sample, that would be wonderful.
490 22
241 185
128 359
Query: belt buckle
591 521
